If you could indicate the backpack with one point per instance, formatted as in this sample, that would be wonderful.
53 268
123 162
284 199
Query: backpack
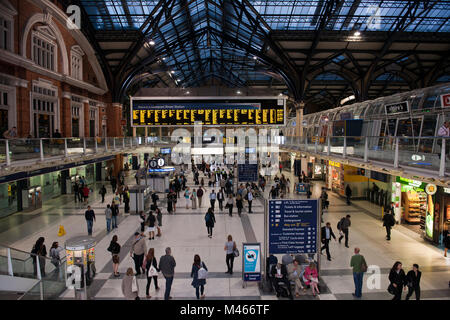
340 223
202 273
207 217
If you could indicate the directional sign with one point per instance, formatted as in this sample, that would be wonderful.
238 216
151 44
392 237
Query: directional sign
293 226
247 172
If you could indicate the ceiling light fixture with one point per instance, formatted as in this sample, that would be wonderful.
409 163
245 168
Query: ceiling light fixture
255 58
238 92
172 72
151 42
357 34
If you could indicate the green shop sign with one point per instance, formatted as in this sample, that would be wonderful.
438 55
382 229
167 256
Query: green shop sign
412 183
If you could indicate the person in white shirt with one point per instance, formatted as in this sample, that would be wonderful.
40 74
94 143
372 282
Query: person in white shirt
444 131
212 198
250 199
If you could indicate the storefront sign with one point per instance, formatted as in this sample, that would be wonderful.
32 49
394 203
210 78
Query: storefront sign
334 164
397 107
445 100
447 190
293 226
412 183
430 189
251 265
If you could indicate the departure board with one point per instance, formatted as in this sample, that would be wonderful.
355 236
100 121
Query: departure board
210 112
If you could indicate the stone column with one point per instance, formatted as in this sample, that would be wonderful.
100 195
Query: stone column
85 119
66 115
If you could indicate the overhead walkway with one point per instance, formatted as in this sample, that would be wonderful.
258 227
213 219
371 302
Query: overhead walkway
393 155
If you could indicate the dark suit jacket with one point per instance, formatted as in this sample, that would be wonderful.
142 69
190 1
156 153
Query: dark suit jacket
323 233
273 272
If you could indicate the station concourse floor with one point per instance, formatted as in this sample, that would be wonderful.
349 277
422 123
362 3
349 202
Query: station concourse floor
186 234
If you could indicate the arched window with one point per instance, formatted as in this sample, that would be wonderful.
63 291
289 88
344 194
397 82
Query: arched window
44 48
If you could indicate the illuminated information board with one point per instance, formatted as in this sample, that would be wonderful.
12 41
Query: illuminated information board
146 112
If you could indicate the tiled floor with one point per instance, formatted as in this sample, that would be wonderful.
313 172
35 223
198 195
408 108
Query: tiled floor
186 234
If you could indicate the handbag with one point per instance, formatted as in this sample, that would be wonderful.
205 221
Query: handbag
152 272
236 252
391 289
363 267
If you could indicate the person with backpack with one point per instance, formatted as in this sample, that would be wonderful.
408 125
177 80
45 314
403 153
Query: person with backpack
212 199
210 219
102 192
231 252
343 226
151 267
199 274
40 251
359 265
388 223
138 250
114 248
200 195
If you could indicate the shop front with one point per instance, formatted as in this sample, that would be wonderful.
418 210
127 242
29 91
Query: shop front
416 206
335 180
442 215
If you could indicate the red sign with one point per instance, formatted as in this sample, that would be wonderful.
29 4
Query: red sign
123 122
445 100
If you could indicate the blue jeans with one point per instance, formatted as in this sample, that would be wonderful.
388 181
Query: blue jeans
114 222
108 225
90 223
169 281
358 279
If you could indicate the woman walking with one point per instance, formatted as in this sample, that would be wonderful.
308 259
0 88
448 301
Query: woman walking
229 205
311 278
413 281
230 247
151 226
151 267
210 219
159 221
198 273
130 287
239 204
39 250
54 254
397 279
194 198
114 248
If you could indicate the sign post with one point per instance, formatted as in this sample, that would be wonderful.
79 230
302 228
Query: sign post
251 262
292 227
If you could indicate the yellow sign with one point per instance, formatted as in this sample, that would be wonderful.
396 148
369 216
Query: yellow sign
334 164
61 231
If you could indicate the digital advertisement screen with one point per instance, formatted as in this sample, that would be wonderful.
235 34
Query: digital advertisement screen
232 112
164 151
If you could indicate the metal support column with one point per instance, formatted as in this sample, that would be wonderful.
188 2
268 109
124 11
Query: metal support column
344 151
8 158
442 163
328 146
396 153
41 146
366 149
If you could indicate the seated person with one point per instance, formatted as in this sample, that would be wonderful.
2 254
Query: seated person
279 274
311 278
294 271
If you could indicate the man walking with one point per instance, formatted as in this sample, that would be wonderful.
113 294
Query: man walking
343 226
388 223
90 218
115 213
108 216
212 199
250 199
359 265
138 250
167 266
199 196
102 193
326 235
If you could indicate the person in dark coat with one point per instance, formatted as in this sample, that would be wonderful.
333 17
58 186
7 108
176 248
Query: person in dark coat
40 251
198 284
326 234
279 274
210 219
102 193
388 223
413 282
149 262
397 278
348 193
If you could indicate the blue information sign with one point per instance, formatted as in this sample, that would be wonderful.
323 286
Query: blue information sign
293 226
251 255
248 172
